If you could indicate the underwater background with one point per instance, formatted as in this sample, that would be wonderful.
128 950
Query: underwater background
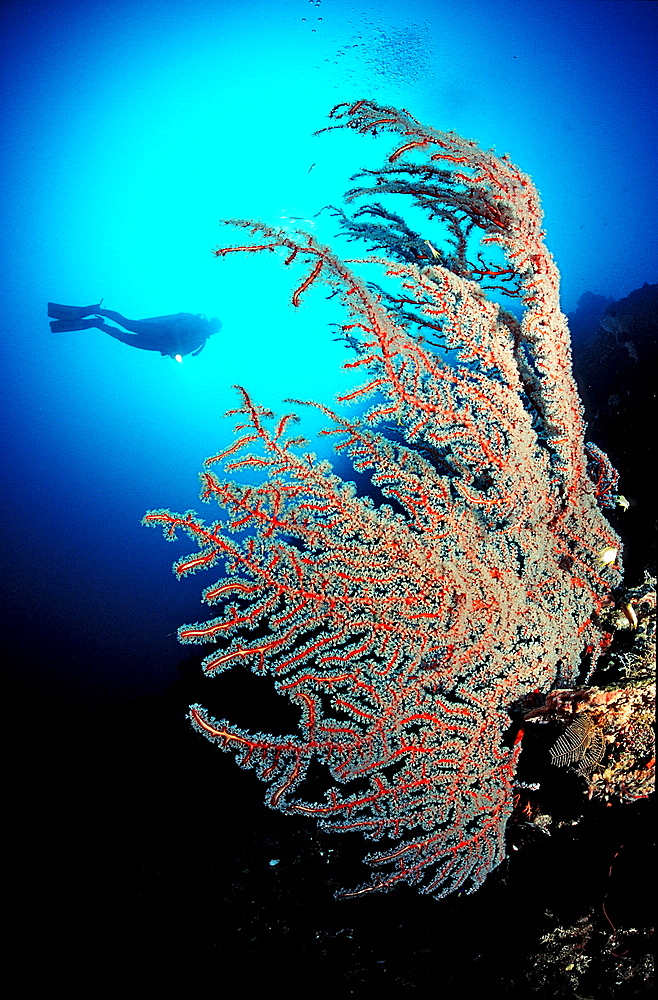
129 130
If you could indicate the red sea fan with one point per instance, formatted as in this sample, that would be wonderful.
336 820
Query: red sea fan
404 632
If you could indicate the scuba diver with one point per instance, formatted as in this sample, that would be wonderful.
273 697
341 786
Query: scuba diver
173 336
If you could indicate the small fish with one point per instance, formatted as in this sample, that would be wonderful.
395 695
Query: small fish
607 555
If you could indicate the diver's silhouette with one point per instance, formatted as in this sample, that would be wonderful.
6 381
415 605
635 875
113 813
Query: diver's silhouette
173 336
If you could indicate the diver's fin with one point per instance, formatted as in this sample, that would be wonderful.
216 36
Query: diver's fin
57 311
68 326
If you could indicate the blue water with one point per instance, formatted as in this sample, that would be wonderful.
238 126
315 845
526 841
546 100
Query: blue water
129 130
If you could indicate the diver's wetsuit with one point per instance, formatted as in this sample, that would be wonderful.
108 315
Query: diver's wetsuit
173 336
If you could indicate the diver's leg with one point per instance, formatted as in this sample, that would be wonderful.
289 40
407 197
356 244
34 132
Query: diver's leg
134 340
134 325
68 326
